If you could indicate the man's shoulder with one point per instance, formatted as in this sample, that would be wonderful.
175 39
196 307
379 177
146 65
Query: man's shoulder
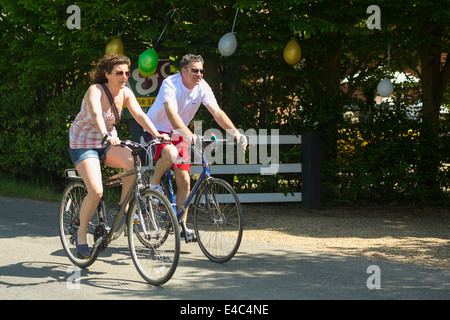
172 79
171 82
204 86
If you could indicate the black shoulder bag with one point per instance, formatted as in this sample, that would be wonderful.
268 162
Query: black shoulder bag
111 100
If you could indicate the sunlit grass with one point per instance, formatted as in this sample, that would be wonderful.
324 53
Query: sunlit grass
14 188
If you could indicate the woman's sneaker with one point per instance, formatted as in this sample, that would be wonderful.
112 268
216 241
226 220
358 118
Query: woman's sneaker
82 249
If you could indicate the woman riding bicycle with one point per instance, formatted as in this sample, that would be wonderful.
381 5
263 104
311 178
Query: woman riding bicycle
94 124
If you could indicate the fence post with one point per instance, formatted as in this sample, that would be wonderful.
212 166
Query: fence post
311 169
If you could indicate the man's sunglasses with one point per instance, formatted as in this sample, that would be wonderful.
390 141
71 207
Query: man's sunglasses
121 73
195 70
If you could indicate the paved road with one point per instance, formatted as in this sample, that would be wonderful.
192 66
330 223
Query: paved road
34 266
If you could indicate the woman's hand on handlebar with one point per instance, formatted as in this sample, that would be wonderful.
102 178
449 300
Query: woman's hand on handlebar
112 141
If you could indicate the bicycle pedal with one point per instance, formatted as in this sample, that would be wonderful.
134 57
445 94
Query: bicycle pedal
190 237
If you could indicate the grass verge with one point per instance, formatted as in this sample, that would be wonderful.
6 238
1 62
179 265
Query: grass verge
14 188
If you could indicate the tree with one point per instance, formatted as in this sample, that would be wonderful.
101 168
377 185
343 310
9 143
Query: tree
420 31
255 86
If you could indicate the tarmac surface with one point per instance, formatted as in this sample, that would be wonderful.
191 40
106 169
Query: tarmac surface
33 266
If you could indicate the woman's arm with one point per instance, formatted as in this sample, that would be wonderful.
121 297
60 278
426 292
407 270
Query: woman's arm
139 115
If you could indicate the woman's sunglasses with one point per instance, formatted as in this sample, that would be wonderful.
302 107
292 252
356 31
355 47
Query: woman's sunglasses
121 73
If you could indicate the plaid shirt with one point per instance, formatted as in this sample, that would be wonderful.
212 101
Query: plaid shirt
84 135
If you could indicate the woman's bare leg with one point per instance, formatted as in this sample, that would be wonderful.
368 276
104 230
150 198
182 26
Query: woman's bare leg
89 170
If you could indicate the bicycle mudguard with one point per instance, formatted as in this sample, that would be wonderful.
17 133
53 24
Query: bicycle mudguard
72 174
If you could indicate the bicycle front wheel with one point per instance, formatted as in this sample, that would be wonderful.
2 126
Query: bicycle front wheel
153 237
69 222
218 220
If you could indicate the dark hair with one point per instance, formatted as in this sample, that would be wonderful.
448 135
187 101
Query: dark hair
188 58
106 64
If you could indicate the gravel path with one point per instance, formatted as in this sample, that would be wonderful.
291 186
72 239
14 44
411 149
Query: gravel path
419 236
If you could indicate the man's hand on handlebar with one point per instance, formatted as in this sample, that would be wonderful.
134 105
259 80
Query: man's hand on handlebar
165 137
242 140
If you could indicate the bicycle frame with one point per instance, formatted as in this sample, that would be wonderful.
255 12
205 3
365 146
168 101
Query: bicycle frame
204 176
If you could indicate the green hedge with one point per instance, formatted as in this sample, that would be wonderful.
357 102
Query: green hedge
35 145
45 64
381 162
377 161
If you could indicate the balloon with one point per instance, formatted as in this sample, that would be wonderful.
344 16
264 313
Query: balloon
147 63
227 44
146 74
385 88
292 52
114 46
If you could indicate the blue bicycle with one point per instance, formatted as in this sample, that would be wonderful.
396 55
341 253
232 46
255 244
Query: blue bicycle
216 210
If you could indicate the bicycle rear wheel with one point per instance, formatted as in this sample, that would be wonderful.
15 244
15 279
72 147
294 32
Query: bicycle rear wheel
69 222
156 251
218 220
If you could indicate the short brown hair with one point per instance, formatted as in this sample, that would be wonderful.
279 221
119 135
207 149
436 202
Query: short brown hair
188 58
107 64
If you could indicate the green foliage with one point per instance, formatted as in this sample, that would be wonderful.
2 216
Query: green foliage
378 161
46 66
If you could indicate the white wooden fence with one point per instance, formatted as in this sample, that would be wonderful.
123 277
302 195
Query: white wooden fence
218 169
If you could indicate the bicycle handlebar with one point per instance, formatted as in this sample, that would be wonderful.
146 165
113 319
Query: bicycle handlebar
134 145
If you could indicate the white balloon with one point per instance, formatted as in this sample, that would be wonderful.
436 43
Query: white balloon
227 44
385 88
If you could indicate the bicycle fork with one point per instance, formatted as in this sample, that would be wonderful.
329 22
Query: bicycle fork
148 208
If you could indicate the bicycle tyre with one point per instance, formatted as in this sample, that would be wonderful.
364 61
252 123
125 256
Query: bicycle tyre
155 259
219 232
68 221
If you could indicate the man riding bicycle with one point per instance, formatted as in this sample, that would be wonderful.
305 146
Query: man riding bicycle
176 104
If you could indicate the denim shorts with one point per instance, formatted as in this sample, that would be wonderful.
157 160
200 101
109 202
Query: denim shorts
78 155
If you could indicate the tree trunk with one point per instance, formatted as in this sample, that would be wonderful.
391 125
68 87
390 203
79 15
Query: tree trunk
333 110
435 74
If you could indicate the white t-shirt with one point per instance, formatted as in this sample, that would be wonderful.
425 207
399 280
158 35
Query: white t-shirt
188 101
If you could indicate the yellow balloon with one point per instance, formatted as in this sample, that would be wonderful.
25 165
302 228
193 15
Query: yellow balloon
292 52
114 46
146 74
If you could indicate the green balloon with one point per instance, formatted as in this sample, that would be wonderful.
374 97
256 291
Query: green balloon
148 61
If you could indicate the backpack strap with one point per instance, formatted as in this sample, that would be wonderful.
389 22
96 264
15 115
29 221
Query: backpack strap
111 100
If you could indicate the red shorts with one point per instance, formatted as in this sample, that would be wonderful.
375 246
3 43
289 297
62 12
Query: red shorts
183 160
